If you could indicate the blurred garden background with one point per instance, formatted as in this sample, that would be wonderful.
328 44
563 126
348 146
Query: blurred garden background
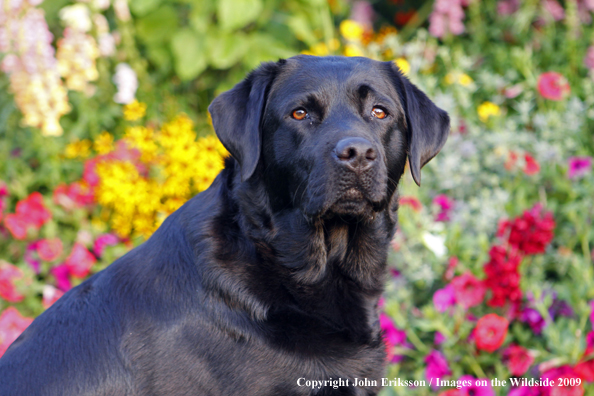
104 132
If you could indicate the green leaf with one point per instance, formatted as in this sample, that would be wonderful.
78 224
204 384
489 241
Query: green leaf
262 48
235 14
157 26
189 53
225 50
301 28
143 7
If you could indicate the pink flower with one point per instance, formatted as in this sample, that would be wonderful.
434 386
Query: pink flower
413 202
102 241
554 9
578 167
477 388
49 249
61 273
392 337
469 291
560 373
444 298
518 359
532 166
507 7
437 367
12 324
446 17
80 261
33 210
8 275
446 204
17 226
553 86
50 295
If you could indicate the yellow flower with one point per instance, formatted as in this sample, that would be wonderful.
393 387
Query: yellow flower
457 77
486 110
352 50
135 110
78 149
319 49
334 44
351 30
465 80
103 143
403 65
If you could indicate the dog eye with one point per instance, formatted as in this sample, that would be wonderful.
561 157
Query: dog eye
378 112
299 114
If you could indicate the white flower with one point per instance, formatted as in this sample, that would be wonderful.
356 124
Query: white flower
127 82
77 17
435 243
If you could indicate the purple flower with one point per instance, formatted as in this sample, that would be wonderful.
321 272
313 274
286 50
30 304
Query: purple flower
579 166
534 320
437 367
476 389
444 298
560 307
446 204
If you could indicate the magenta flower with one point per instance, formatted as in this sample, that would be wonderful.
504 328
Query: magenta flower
444 298
578 167
437 367
102 242
476 389
534 320
393 337
446 204
440 338
61 273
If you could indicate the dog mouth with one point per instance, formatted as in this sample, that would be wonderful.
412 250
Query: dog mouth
352 202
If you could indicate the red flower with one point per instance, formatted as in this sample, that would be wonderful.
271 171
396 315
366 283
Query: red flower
503 277
469 291
80 261
518 359
12 324
17 226
490 332
561 374
511 160
413 202
530 233
49 249
553 86
8 275
532 167
33 210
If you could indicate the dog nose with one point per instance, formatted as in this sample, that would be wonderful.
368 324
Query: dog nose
356 153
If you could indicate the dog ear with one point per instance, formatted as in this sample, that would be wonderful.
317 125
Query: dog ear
236 116
428 127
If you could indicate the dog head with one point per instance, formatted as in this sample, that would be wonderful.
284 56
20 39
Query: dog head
329 135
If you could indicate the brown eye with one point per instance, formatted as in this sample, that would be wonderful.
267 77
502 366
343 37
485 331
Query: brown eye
299 114
378 113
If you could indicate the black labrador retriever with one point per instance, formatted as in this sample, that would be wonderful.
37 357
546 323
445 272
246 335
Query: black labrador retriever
268 282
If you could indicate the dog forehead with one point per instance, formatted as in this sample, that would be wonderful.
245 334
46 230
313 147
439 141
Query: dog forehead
328 76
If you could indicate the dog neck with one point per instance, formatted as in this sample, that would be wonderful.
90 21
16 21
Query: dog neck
330 268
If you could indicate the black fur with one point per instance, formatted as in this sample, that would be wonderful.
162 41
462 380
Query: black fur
272 274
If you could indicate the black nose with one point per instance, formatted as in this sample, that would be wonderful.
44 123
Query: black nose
356 153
